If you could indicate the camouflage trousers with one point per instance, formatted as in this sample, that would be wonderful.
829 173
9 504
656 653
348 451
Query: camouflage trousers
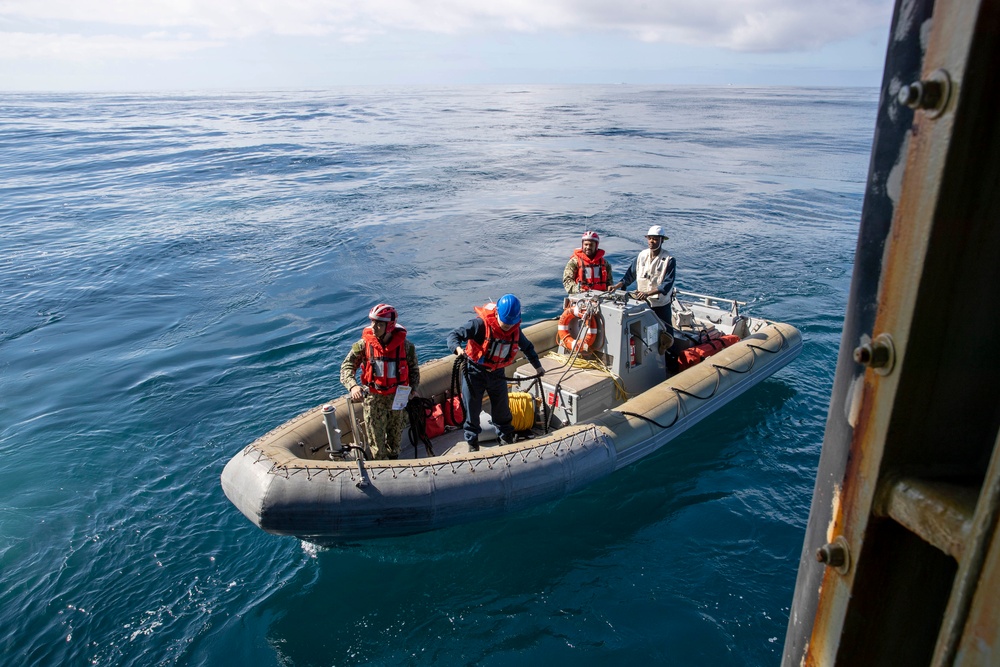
383 426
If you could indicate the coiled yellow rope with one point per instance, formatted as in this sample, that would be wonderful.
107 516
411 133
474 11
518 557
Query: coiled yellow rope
522 406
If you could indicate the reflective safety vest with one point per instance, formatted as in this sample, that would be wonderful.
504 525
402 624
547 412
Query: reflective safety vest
499 347
385 366
591 274
650 272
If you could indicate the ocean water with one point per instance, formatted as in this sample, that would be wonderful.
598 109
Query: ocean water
180 273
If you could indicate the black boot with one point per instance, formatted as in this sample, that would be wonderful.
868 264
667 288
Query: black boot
673 365
474 445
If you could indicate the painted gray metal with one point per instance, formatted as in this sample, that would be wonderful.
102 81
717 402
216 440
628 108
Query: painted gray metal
910 450
903 62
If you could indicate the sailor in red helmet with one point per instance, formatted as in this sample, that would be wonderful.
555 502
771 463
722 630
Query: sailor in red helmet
490 341
387 361
587 269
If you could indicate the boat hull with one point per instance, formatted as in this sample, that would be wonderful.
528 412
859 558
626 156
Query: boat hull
329 504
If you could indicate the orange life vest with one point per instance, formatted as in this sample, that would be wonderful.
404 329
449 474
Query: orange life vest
591 274
499 347
385 366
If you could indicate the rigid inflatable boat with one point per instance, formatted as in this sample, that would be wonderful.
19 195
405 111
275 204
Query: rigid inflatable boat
595 410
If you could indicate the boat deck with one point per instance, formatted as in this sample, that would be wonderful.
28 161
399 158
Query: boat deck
452 442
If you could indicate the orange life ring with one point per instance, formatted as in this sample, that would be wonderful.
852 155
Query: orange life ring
565 338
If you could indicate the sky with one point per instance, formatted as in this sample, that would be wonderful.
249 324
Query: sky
148 45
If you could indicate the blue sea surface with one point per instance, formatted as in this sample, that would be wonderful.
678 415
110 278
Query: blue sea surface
181 273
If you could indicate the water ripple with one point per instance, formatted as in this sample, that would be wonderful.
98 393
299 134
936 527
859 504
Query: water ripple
182 273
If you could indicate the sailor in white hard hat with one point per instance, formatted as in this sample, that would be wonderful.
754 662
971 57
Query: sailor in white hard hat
653 272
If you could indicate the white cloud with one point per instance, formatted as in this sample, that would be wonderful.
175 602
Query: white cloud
18 45
737 25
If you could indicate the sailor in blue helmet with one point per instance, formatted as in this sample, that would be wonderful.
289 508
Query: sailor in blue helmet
490 342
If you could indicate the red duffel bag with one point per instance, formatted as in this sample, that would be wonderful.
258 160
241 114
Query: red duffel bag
693 355
453 413
434 424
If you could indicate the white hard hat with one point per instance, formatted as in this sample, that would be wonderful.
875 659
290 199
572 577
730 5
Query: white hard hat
656 230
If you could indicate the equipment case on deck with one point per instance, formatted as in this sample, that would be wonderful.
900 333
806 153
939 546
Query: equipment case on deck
583 393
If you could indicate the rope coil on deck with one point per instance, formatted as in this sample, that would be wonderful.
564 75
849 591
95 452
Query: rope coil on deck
522 407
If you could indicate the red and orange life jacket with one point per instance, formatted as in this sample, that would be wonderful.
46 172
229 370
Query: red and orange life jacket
499 347
385 366
591 274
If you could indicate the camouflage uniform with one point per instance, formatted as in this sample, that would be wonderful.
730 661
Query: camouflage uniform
569 275
383 425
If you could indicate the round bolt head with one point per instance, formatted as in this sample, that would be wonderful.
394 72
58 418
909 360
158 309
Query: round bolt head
910 95
831 554
863 354
835 555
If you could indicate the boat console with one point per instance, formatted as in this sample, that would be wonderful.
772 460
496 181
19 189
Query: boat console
625 352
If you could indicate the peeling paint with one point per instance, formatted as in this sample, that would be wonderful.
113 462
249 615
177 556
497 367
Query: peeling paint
834 513
904 20
893 90
894 183
925 34
853 403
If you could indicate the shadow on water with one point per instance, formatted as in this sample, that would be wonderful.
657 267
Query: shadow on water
480 593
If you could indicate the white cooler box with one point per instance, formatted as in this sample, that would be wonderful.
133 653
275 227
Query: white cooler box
582 393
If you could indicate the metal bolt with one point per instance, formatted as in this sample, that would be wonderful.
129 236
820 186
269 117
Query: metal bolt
831 554
863 354
835 554
871 355
931 94
878 354
911 95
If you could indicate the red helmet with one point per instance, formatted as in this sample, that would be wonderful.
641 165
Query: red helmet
383 312
591 236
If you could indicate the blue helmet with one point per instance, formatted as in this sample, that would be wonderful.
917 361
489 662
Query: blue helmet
509 309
